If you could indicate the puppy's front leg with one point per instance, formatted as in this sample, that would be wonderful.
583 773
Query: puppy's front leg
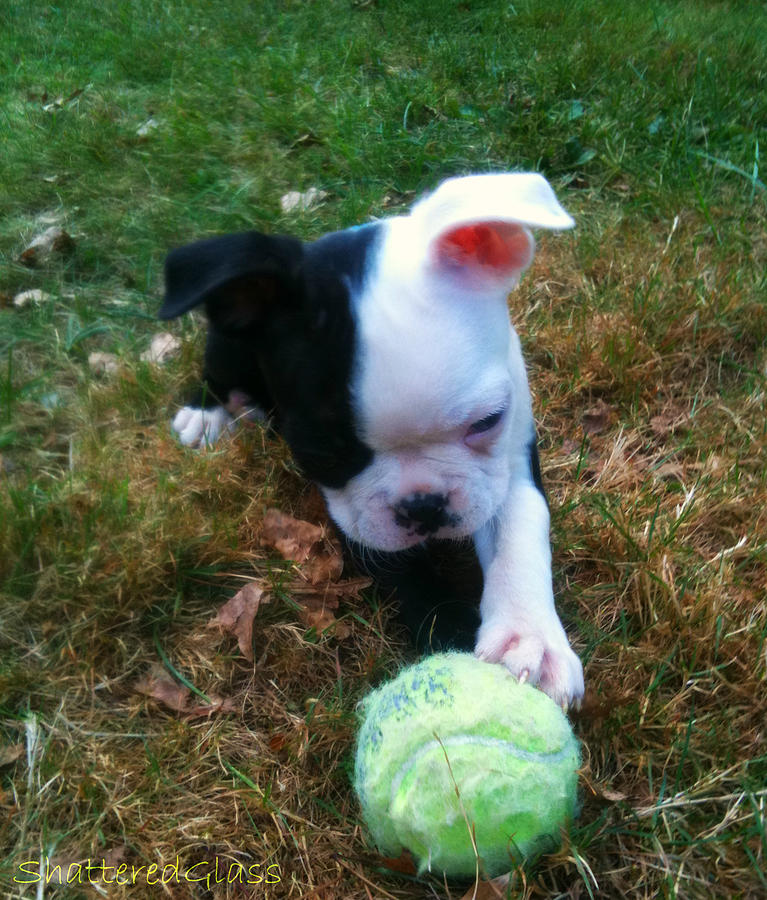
520 627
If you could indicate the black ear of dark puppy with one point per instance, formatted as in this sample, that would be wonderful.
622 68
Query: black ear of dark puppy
240 278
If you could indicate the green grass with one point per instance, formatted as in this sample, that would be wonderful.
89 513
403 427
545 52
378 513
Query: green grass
118 546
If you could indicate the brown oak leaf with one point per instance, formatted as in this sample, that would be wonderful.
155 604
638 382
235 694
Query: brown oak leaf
236 616
158 685
308 545
162 688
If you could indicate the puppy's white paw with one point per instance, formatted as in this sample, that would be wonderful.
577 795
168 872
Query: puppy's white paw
534 656
201 427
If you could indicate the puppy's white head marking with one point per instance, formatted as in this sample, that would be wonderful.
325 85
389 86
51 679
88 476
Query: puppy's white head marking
438 388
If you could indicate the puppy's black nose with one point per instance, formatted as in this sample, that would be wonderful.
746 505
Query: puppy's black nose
424 513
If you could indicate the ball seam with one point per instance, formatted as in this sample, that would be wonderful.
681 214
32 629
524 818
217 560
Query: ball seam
461 740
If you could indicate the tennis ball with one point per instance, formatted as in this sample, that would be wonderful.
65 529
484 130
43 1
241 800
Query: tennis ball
455 749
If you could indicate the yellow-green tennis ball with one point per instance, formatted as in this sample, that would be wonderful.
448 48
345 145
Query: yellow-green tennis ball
455 752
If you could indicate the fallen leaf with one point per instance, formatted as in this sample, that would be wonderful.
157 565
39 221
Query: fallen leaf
236 616
160 687
293 538
670 471
103 363
216 705
326 566
403 863
570 446
488 890
147 127
667 421
63 868
342 630
9 754
52 240
318 612
321 564
116 855
613 796
61 101
163 347
34 296
295 200
398 198
308 545
350 588
597 418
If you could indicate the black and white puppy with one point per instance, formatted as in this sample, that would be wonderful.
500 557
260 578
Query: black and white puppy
387 359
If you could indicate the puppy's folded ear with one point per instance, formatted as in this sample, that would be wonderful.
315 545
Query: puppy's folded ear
241 279
477 228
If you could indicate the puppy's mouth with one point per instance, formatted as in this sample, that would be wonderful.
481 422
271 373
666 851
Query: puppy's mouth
401 539
393 523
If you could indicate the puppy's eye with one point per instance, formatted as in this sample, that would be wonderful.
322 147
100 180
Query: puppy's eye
486 424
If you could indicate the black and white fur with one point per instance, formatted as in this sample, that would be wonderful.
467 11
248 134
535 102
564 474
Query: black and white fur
385 355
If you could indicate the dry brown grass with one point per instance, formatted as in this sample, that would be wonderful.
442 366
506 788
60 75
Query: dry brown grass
649 375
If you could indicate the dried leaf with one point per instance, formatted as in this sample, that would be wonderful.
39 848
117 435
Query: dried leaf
671 471
569 446
36 296
52 240
293 538
488 890
9 754
326 566
349 589
112 859
216 705
403 863
613 796
60 102
318 612
305 544
164 346
61 868
236 616
295 200
597 418
146 128
342 630
158 685
103 363
667 421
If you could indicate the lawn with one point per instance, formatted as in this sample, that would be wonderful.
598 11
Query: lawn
135 733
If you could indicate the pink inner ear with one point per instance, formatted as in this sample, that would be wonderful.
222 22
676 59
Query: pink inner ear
499 246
